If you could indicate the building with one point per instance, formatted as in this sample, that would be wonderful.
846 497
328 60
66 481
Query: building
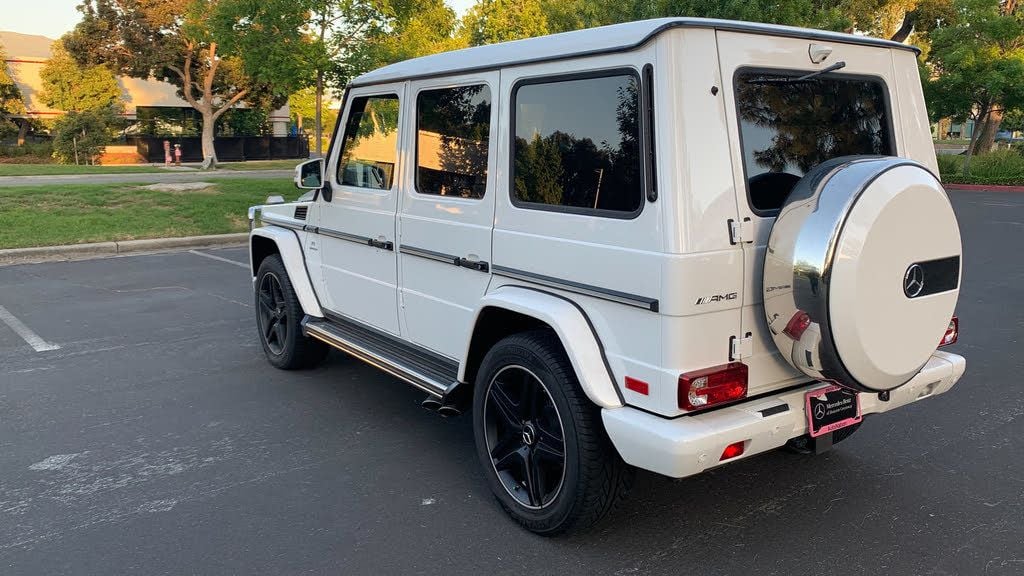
26 54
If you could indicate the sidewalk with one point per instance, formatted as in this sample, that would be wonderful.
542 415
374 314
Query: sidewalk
143 177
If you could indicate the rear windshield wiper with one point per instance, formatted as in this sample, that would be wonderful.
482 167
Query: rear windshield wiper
803 78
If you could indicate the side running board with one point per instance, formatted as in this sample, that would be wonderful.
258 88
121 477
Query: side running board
430 372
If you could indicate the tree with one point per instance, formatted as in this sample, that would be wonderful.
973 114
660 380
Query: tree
493 21
976 66
303 106
11 104
79 137
336 28
217 52
69 87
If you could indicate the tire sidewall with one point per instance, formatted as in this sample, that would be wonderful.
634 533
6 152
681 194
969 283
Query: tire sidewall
517 350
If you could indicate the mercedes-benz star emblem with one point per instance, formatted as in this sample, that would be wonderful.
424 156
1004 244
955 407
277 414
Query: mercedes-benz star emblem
819 411
529 435
913 281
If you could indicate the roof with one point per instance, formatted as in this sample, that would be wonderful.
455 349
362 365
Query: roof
605 39
25 46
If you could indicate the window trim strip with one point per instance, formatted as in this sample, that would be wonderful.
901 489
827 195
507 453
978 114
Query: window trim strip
635 300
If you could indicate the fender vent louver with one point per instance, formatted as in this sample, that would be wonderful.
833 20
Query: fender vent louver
300 212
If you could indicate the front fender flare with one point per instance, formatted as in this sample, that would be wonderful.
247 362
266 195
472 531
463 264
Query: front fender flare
573 328
288 247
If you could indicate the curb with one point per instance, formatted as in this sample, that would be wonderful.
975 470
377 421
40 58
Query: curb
983 188
108 249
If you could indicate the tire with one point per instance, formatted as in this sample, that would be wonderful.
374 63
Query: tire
278 320
522 437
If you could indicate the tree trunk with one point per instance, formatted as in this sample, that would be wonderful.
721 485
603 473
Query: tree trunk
983 112
209 153
906 28
22 131
989 129
319 121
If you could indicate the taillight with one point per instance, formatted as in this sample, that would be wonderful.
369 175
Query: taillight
952 332
712 386
797 325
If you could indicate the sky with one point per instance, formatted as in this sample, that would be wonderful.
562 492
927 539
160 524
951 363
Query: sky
52 18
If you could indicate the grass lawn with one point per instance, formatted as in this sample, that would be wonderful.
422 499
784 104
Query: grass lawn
260 165
64 169
78 213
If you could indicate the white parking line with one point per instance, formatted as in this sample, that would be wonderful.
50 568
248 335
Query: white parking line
26 333
228 260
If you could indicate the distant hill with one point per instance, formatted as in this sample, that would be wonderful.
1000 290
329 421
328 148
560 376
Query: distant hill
25 46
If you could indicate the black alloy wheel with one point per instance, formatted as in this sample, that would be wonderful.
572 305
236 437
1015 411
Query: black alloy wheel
279 319
273 314
546 456
524 436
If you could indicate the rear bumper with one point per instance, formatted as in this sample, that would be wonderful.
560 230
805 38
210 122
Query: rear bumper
688 445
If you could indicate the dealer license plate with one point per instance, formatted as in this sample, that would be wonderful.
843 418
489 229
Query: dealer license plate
831 408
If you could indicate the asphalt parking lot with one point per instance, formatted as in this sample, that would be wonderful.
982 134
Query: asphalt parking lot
141 431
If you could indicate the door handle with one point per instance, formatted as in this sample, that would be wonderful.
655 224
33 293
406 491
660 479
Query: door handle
472 263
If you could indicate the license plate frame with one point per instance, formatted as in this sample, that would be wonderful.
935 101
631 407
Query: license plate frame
831 408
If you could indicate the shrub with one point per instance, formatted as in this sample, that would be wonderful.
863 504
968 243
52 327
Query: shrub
1001 167
27 153
80 137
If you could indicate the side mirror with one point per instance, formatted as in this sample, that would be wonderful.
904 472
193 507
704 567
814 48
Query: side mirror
310 175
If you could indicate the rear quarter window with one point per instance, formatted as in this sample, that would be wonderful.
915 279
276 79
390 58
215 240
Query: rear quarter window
787 128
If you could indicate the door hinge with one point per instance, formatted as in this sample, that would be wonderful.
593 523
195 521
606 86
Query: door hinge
740 232
740 348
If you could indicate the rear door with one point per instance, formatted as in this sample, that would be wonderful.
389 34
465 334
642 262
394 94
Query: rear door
447 211
780 129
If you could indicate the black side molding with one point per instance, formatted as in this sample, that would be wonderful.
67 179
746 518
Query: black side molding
478 265
579 288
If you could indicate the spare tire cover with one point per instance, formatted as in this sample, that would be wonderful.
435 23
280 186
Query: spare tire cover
862 272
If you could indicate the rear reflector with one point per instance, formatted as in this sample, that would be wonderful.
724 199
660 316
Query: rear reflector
638 386
797 325
731 451
952 332
711 386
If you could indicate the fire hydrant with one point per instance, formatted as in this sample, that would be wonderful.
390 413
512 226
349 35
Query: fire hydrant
177 154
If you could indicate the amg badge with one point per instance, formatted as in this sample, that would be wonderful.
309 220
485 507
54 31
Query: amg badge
716 298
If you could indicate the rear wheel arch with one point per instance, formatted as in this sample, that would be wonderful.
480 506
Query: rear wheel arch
512 310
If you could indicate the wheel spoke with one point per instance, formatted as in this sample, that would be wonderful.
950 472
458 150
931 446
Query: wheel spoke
279 332
550 446
266 301
534 480
513 459
506 409
269 328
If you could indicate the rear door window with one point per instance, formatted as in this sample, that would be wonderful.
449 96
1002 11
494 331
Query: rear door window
453 128
789 127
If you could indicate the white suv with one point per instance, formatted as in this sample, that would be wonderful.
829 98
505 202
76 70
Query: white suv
667 244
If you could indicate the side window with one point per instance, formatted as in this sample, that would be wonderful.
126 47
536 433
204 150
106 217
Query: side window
577 145
368 148
453 126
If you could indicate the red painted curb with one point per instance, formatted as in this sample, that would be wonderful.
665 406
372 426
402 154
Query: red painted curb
983 188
